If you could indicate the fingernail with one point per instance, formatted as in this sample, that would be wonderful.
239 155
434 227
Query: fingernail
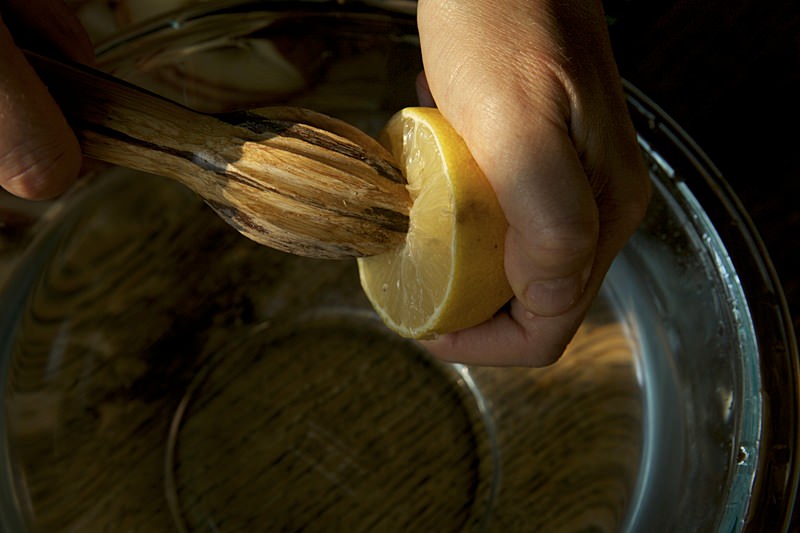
553 297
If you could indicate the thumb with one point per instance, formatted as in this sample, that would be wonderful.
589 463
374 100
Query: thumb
553 221
39 154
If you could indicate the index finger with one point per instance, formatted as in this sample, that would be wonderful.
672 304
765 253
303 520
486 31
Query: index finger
39 154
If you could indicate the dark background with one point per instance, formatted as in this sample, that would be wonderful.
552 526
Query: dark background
728 72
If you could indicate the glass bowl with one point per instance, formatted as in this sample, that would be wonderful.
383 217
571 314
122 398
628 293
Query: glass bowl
161 372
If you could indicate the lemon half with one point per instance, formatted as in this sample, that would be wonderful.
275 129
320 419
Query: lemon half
448 274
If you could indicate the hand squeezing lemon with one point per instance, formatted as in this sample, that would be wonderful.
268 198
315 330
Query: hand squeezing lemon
449 274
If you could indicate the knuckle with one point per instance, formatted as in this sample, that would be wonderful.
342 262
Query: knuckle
567 240
632 205
38 170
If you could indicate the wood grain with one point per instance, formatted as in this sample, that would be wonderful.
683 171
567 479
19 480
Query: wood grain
287 178
261 393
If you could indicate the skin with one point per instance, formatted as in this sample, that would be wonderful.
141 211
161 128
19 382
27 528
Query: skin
39 154
532 87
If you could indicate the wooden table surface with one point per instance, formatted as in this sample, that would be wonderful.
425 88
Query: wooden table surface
259 393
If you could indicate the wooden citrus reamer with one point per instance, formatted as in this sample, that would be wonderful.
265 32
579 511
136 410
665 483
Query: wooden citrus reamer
285 177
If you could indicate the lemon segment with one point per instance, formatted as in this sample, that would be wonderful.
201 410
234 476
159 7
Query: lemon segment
448 274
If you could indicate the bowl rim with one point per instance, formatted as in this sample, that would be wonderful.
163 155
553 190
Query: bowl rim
775 485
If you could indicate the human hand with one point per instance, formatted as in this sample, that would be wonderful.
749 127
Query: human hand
532 87
39 154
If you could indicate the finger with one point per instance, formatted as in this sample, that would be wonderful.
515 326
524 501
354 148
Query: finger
518 337
515 337
523 146
552 214
39 154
